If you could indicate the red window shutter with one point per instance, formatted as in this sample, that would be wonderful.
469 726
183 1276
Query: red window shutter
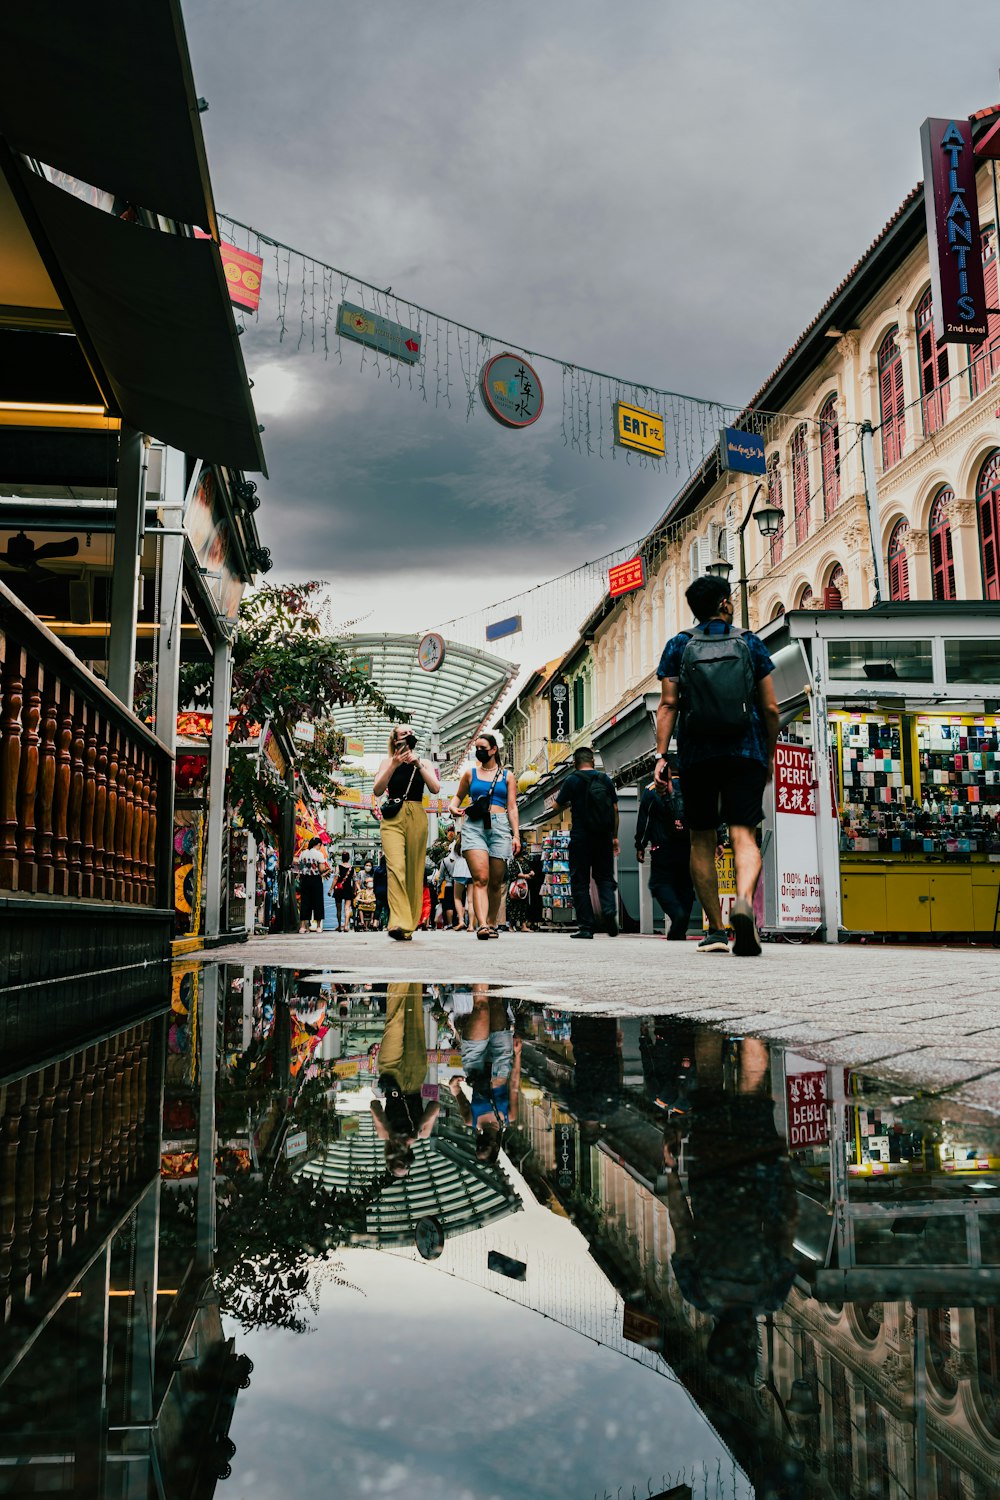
942 552
990 543
984 357
830 457
800 485
899 573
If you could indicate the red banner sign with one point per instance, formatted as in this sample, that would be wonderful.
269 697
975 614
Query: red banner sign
243 273
626 576
806 1102
794 791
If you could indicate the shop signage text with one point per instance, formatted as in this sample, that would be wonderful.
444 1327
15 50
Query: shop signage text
243 272
797 857
639 429
378 333
511 390
806 1113
953 238
296 1143
354 748
559 711
742 452
626 576
640 1328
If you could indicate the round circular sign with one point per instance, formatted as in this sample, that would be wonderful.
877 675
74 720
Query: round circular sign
428 1236
430 652
511 390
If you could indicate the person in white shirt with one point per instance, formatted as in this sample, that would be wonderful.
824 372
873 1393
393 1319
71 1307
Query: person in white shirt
313 866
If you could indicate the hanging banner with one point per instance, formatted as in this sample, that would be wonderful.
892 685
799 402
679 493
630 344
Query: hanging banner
511 390
639 429
742 452
626 576
559 711
953 238
378 333
501 628
798 893
807 1118
243 272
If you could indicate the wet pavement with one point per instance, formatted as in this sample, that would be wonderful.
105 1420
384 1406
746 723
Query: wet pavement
304 1232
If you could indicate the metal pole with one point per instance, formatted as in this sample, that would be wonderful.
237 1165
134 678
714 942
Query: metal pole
871 506
204 1257
217 788
827 820
168 645
743 580
129 519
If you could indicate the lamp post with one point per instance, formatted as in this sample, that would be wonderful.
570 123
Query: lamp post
769 518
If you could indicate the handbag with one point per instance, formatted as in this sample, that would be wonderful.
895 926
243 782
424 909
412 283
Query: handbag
390 807
478 810
518 889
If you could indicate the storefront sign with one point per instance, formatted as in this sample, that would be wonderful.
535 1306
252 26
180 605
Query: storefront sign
354 748
511 390
305 732
638 429
626 576
296 1143
795 838
953 238
565 1154
501 628
742 452
431 652
363 666
208 532
559 711
807 1116
378 333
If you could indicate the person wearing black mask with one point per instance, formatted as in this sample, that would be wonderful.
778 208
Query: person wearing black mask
660 826
404 837
490 833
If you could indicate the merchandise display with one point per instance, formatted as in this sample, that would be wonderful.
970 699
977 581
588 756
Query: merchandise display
557 903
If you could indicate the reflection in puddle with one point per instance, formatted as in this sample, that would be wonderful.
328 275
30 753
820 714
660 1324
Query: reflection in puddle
470 1246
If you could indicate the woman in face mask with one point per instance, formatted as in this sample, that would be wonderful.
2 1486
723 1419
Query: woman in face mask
488 842
404 776
342 890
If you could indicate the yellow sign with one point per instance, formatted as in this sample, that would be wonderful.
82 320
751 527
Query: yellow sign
354 748
349 796
641 430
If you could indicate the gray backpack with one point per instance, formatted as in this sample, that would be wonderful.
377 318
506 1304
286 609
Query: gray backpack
717 684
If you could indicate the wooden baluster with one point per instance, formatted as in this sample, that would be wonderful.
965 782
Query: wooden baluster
43 1176
121 868
46 786
88 887
147 795
25 1206
31 712
75 815
138 863
98 1137
60 811
11 698
73 1141
111 864
60 1135
129 823
156 897
85 1181
10 1124
100 808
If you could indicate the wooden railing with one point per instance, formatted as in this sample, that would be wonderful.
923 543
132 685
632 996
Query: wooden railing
82 780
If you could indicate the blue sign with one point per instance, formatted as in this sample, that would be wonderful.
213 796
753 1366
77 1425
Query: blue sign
497 631
742 452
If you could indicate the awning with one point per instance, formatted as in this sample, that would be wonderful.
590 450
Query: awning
628 735
107 95
155 309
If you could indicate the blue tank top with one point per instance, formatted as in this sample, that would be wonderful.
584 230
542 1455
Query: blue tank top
480 788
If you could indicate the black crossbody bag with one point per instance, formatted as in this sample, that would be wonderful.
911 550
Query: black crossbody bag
478 810
390 807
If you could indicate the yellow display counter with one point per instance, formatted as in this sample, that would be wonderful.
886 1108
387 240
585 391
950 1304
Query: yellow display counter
911 893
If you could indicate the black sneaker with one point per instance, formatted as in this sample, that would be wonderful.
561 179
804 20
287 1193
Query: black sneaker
584 932
746 940
716 940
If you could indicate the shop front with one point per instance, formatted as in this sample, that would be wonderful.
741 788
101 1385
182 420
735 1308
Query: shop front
905 700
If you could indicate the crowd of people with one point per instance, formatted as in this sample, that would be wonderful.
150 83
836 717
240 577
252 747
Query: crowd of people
717 706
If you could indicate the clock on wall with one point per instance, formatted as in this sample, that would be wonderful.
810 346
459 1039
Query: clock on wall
430 652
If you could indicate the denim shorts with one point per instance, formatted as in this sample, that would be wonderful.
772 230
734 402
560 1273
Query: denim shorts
491 1055
498 843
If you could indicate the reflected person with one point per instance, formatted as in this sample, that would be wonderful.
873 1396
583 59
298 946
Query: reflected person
404 1117
491 1058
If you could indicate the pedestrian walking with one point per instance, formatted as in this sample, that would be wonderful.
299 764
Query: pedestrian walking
313 865
403 1117
661 828
380 882
716 690
403 777
593 842
342 890
490 834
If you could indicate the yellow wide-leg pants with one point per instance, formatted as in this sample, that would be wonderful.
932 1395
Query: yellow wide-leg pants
404 841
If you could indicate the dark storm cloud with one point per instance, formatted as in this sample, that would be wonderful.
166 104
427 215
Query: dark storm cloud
667 191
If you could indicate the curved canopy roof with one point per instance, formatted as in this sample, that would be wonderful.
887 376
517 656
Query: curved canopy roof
452 703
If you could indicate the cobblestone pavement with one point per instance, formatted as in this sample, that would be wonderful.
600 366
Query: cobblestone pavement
922 1014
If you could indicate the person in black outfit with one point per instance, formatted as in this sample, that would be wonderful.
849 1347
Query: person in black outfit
593 841
660 826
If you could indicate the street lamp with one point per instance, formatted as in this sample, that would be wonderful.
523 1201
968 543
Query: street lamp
769 519
720 569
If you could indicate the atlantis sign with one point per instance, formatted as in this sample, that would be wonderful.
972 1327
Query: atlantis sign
953 239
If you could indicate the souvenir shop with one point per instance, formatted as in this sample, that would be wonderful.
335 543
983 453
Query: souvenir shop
910 694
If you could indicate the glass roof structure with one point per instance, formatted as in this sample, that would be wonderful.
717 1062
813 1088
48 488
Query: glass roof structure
452 703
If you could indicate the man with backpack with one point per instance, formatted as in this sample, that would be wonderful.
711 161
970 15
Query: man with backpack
593 842
716 688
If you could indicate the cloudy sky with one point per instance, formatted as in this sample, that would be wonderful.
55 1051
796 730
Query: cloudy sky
657 188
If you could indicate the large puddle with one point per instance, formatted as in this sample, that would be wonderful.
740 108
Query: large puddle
325 1239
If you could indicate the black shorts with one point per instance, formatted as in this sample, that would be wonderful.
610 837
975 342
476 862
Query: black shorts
724 789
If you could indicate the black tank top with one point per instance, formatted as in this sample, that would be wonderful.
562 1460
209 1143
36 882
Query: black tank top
399 780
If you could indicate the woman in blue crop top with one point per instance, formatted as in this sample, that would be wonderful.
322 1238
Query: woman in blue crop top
487 848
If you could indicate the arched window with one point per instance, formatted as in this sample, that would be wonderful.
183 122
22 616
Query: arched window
988 506
942 556
899 573
829 447
984 358
934 389
807 599
800 483
835 593
777 611
891 403
774 498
